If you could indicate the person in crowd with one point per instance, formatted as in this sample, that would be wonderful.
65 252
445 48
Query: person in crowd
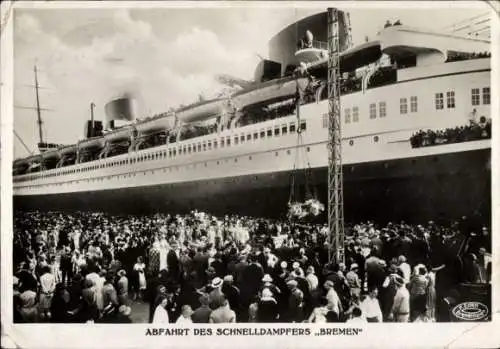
28 307
60 308
140 279
109 297
222 314
431 296
216 295
333 300
370 307
357 317
161 315
47 289
66 265
253 310
318 315
418 289
89 311
312 279
353 281
173 307
267 310
400 311
186 314
375 270
405 268
202 314
122 287
231 292
295 302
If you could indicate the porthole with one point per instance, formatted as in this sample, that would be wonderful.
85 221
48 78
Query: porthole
235 159
249 158
375 139
308 149
276 154
351 142
288 152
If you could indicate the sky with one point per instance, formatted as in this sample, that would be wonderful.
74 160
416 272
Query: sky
164 57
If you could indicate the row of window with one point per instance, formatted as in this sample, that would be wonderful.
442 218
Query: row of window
476 96
403 104
223 142
165 170
450 100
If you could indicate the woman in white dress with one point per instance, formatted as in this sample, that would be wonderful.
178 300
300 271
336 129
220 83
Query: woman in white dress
161 315
163 253
139 268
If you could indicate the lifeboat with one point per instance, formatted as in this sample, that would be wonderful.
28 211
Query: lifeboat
274 90
160 123
96 142
53 154
202 110
70 149
120 134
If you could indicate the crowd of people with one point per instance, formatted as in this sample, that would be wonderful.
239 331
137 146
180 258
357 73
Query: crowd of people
464 56
90 267
472 132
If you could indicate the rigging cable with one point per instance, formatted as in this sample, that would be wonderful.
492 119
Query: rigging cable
22 142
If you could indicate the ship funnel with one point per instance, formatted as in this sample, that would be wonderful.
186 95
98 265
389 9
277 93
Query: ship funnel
120 112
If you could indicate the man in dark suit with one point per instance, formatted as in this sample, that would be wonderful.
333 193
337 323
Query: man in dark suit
173 263
231 292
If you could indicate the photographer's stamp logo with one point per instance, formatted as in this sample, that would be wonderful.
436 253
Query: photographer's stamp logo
470 311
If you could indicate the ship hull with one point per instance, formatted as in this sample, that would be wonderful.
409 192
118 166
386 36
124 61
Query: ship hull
437 187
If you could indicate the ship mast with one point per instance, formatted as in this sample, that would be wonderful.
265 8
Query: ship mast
38 111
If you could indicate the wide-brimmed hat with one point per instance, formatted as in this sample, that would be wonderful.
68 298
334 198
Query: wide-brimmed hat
284 265
354 266
295 265
329 283
292 282
122 272
228 278
216 282
267 278
310 269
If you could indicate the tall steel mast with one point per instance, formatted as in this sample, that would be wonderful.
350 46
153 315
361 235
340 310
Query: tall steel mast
335 178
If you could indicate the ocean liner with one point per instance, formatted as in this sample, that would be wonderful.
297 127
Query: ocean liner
250 151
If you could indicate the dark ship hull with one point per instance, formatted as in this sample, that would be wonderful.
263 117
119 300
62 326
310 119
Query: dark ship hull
438 187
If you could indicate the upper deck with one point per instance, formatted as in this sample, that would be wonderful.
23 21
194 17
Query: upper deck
410 55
